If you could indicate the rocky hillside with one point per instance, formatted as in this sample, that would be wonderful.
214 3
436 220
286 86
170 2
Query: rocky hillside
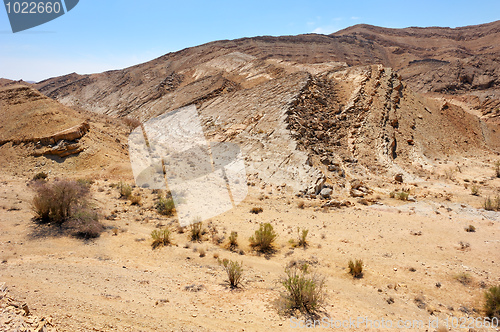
34 125
314 109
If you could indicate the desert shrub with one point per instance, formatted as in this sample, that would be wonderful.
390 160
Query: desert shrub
85 182
195 231
125 189
492 204
256 210
492 304
85 223
301 238
449 174
401 195
304 291
202 252
233 240
56 201
497 168
135 200
474 190
301 204
463 278
161 238
470 229
131 123
356 268
234 271
165 206
263 238
40 176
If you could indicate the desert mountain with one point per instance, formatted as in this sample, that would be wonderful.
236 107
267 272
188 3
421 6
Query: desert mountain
313 108
34 125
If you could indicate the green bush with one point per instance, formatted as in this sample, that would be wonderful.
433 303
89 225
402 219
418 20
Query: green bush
301 238
303 291
492 305
264 238
401 195
161 238
196 231
234 271
474 190
356 268
124 189
165 206
233 240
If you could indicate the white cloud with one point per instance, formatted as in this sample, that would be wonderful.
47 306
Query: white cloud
325 30
355 18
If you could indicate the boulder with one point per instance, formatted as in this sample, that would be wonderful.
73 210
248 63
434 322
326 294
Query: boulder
326 192
399 177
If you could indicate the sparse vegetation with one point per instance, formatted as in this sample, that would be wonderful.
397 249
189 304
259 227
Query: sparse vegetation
202 252
492 304
65 202
301 205
165 206
474 190
464 278
401 195
356 268
195 231
233 241
135 200
161 238
304 291
125 189
40 176
85 224
490 204
131 123
256 210
263 238
470 229
87 182
234 271
56 201
301 238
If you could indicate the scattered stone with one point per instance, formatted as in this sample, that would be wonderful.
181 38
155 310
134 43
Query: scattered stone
399 177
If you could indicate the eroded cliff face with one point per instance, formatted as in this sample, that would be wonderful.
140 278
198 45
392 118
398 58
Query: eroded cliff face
316 110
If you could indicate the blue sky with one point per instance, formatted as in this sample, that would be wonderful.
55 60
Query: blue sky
112 34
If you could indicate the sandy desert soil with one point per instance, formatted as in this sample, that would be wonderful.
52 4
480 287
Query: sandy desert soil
118 283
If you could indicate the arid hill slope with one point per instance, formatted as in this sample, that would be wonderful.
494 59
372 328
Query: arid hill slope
34 125
299 104
445 60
